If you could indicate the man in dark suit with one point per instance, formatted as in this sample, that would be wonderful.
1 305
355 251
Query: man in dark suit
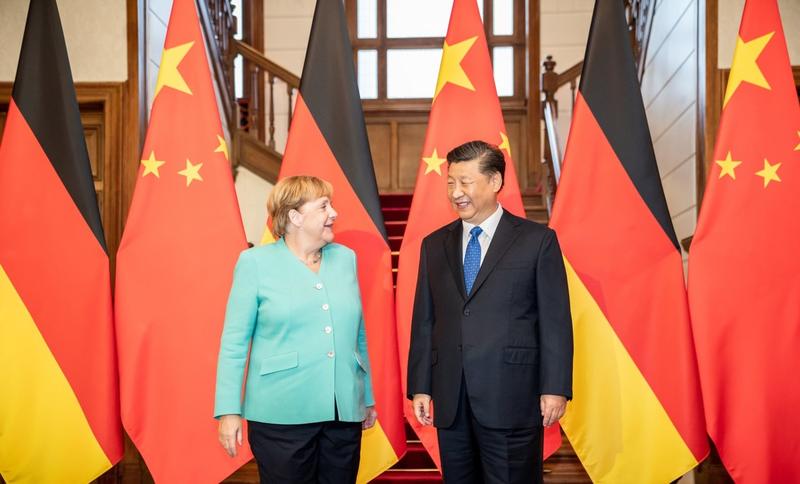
491 336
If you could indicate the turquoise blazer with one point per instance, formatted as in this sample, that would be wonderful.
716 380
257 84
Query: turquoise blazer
306 329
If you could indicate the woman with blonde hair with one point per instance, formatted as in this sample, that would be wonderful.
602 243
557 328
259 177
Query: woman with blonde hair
308 393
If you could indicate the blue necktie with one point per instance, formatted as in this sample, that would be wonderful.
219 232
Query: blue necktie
472 259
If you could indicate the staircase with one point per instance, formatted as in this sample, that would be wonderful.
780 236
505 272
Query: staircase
416 465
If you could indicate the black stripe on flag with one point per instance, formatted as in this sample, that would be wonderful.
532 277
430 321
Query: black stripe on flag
330 91
45 95
610 87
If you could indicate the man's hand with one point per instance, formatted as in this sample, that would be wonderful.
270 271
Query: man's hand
422 408
553 407
230 433
369 421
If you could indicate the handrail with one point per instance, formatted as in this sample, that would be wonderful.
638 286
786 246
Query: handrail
265 64
552 81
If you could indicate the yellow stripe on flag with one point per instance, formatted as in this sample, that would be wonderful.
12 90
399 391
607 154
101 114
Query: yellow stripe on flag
615 422
44 435
377 454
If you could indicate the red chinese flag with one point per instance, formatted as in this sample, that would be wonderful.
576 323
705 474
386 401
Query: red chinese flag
744 273
59 401
465 108
174 269
328 139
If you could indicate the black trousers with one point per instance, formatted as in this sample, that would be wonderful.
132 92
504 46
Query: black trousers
473 454
324 452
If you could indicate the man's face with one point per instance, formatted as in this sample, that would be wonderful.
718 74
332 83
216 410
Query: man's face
473 194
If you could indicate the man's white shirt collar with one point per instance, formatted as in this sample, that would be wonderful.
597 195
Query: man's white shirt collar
489 226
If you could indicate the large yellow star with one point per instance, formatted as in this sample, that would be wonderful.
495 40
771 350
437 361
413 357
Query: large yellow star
728 166
434 163
223 147
191 172
505 144
168 74
451 70
769 173
151 165
744 67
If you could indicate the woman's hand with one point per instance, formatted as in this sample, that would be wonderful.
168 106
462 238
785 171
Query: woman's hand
372 416
230 433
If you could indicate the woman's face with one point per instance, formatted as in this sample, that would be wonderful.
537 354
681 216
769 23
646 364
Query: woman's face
317 217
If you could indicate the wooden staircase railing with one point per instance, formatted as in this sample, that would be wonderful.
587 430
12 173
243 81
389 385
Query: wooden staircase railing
639 15
258 135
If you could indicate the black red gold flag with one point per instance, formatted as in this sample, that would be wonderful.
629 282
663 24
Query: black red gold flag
59 411
637 414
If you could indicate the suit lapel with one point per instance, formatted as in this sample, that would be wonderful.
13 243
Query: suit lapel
452 249
504 236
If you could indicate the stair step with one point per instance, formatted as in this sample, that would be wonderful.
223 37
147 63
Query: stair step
395 227
409 475
395 213
396 199
416 457
395 241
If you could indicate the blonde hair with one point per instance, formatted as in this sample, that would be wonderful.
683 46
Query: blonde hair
291 193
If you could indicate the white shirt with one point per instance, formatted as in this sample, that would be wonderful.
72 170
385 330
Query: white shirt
489 226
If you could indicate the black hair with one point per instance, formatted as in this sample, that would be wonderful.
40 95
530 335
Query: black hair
489 156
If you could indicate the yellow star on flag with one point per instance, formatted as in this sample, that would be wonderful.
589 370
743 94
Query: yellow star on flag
168 74
434 163
797 148
450 69
769 173
151 165
744 67
223 147
505 145
191 172
728 166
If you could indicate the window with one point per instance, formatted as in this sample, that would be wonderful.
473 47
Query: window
398 45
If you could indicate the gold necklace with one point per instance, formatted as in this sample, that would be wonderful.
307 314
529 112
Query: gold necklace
315 260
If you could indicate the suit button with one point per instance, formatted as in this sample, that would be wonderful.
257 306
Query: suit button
466 312
328 330
331 354
325 307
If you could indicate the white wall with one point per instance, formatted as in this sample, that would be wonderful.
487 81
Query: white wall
252 192
730 15
287 25
669 92
564 29
94 31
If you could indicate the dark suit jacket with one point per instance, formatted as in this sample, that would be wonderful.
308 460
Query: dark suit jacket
511 337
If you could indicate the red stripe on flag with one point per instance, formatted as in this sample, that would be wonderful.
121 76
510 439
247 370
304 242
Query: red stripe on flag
61 273
603 216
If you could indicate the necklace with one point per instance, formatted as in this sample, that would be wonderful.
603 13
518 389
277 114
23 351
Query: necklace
317 257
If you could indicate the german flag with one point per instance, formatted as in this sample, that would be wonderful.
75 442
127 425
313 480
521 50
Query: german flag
59 411
744 272
328 139
637 414
175 266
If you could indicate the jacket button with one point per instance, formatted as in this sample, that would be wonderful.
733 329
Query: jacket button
331 354
328 330
325 307
466 312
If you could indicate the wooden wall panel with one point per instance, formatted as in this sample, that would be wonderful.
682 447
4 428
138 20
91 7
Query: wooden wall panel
380 143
